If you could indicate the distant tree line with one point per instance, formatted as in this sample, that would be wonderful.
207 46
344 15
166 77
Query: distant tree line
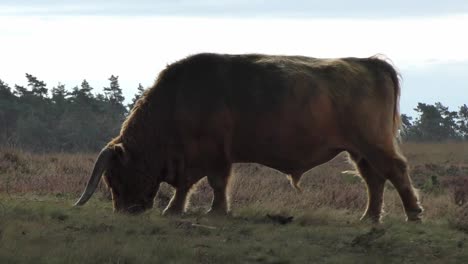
41 119
435 123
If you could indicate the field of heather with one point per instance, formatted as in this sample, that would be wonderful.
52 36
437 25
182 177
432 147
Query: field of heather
39 225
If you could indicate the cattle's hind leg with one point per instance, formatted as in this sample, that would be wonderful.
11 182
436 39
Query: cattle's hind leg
375 189
392 165
219 180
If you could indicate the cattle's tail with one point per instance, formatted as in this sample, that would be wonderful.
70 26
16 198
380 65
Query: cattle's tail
384 64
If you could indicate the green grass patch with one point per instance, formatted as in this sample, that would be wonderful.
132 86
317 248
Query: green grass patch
49 230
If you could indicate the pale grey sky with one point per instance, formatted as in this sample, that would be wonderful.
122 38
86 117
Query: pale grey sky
240 8
67 41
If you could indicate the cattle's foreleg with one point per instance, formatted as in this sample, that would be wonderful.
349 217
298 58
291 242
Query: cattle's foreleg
219 182
177 204
375 189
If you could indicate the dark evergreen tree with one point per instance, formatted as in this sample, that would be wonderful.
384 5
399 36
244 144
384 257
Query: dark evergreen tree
409 131
37 87
5 90
406 121
138 95
114 92
116 111
449 121
435 123
65 121
428 123
463 121
21 91
86 89
60 106
59 94
9 112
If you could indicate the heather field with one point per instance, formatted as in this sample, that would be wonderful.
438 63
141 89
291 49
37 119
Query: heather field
39 225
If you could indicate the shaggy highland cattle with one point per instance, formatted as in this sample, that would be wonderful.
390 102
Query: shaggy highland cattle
290 113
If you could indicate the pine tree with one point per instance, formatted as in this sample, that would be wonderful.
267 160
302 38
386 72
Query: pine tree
82 95
59 93
138 95
435 122
21 91
463 121
406 121
35 121
86 89
5 90
449 123
114 92
38 87
113 109
65 121
9 112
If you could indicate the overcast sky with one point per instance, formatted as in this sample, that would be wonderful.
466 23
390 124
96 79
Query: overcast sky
69 41
240 8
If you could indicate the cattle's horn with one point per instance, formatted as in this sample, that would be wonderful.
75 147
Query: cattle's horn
99 168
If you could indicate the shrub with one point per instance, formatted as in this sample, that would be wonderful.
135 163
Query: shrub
460 219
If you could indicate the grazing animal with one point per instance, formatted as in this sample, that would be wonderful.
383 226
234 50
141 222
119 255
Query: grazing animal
290 113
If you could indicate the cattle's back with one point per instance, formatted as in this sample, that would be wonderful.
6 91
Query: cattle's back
255 82
256 99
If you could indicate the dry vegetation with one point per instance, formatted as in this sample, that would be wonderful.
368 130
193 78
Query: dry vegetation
439 171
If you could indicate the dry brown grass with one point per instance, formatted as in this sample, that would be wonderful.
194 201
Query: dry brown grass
440 171
59 173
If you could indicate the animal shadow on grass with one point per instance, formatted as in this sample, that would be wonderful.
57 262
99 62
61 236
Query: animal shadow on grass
365 240
280 219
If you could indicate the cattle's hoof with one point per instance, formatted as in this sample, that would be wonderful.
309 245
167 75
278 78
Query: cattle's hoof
414 219
218 213
371 219
172 212
414 216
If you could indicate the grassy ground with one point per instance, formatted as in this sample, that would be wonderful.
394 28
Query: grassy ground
47 230
39 225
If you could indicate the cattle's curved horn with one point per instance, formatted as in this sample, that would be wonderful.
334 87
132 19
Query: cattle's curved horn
99 168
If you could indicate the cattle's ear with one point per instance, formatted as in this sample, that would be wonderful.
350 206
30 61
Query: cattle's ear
121 153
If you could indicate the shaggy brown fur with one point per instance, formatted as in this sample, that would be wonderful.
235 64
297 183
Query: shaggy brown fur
290 113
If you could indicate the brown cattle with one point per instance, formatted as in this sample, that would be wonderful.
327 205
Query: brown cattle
290 113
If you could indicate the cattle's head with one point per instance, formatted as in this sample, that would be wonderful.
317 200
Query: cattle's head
133 190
